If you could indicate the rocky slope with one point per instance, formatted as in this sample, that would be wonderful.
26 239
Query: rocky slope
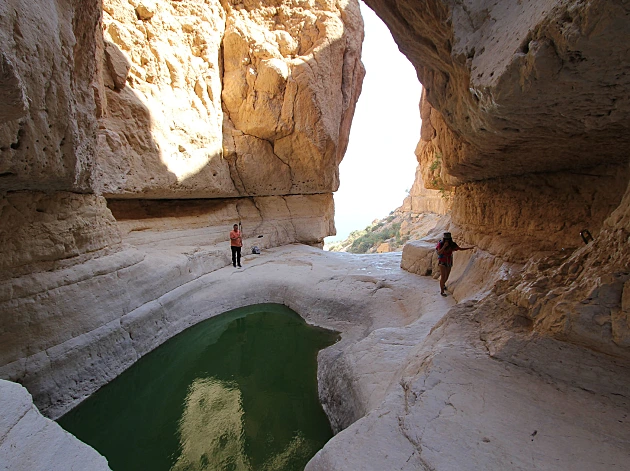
420 214
389 234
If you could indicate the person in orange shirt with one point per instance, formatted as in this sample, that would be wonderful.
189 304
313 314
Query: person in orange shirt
236 242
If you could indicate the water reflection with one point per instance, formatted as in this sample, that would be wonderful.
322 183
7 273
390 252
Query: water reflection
211 428
237 392
212 436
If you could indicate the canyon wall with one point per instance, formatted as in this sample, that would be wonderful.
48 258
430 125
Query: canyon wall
525 123
125 118
133 133
48 211
226 99
525 127
121 101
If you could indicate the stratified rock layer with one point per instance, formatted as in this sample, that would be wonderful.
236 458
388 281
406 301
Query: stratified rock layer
157 100
134 136
525 122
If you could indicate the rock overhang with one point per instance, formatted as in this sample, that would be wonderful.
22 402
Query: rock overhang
528 88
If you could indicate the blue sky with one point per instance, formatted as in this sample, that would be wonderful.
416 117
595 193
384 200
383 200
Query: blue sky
379 164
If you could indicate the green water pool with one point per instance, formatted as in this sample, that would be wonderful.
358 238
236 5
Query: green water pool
235 392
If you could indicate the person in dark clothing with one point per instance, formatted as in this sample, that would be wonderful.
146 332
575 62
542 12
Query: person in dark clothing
445 249
236 242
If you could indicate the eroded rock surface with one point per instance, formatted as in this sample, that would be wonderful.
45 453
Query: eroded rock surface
519 88
153 100
190 115
474 396
525 126
31 442
415 382
223 99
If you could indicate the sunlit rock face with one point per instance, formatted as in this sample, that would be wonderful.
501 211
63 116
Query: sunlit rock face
222 99
128 99
534 92
519 88
423 200
160 132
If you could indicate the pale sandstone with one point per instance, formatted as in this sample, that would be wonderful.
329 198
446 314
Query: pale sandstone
130 106
286 127
42 231
520 216
140 297
510 91
31 442
146 9
455 406
419 257
531 87
423 200
49 117
161 135
406 374
292 78
280 220
117 66
516 100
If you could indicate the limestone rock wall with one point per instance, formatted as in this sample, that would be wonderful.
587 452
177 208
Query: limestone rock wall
267 221
162 100
583 297
508 183
41 231
518 217
292 77
424 200
48 119
525 122
49 215
161 114
222 99
124 118
521 88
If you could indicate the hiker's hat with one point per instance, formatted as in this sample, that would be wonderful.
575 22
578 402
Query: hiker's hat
447 235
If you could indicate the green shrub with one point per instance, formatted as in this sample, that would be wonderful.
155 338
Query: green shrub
374 237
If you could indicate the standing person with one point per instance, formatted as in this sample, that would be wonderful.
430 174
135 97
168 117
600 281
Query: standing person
236 242
445 249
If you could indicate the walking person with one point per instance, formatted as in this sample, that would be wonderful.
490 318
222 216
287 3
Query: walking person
445 249
236 242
